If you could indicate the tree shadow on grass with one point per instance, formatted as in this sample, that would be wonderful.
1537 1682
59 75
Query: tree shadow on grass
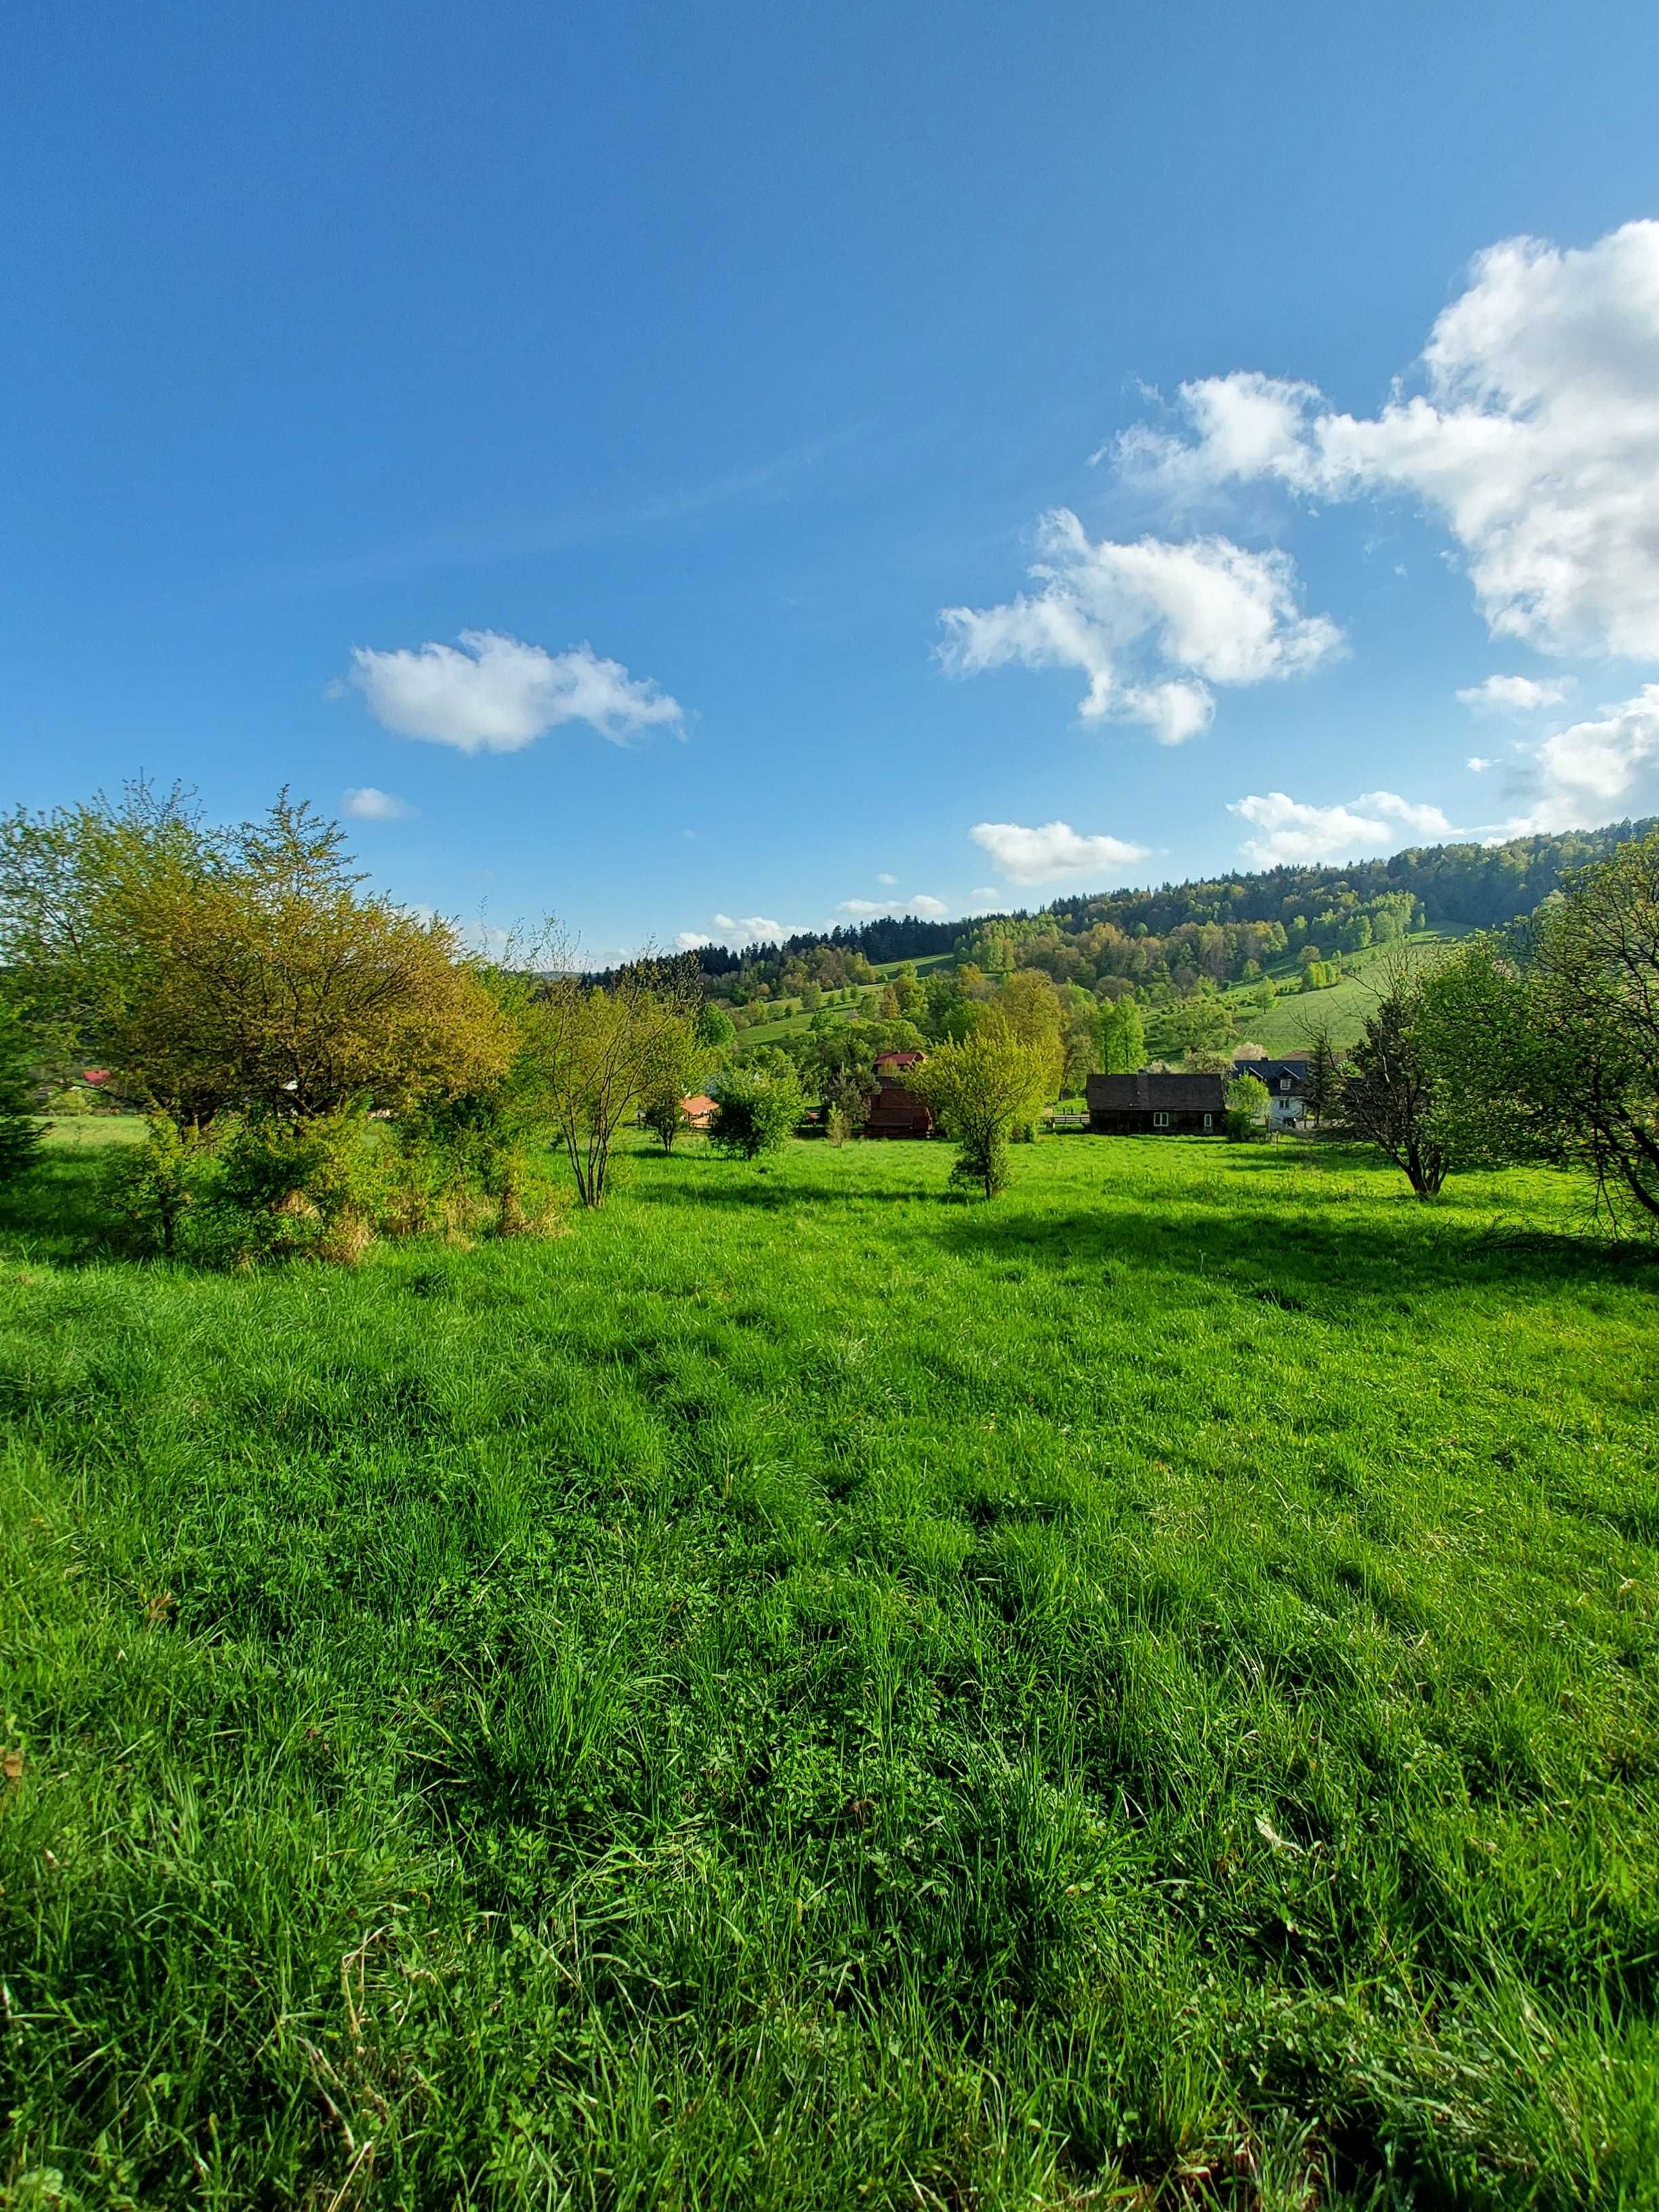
781 1197
57 1210
1328 1265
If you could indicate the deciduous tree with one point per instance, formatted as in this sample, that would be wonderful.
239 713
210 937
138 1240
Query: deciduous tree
1387 1088
982 1091
597 1055
1546 1040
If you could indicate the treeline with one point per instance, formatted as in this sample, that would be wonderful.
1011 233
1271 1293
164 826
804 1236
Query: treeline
1538 1042
319 1066
1148 936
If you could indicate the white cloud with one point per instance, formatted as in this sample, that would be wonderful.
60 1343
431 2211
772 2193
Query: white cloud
1294 831
929 909
887 882
1534 440
494 694
988 892
367 805
1055 850
1588 772
1151 625
1516 695
1478 765
738 931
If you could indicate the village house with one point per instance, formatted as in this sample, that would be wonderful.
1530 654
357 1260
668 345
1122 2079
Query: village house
1147 1104
892 1109
699 1111
1286 1083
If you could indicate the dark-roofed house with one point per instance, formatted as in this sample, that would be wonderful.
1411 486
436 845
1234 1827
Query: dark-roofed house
1155 1105
1287 1081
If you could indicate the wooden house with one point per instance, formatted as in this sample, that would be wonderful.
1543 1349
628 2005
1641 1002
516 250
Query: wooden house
1155 1105
892 1110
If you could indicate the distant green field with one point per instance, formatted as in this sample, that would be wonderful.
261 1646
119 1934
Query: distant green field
799 1693
1285 1027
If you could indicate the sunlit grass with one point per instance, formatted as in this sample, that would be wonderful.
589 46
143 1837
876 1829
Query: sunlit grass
802 1692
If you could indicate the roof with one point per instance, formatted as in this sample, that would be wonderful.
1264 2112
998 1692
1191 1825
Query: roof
1274 1072
1269 1071
1145 1093
702 1103
900 1059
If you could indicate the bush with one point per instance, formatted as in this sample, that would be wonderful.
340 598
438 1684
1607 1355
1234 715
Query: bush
758 1109
289 1189
982 1091
153 1188
19 1130
1247 1108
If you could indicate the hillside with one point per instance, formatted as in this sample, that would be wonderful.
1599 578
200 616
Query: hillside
1446 887
1340 1010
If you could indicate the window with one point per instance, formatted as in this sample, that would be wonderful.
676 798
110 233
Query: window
1209 1121
1283 1082
1160 1121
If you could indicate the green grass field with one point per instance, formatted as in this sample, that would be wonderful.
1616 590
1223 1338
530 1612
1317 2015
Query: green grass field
798 1692
1289 1023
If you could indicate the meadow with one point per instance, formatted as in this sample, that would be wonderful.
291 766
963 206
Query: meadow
798 1692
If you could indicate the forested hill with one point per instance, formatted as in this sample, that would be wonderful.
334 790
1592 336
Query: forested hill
1455 886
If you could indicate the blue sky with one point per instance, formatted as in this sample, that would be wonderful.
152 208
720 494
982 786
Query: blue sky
693 363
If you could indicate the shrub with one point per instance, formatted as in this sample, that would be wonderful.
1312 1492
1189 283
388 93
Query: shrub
982 1091
758 1109
19 1130
665 1116
288 1189
1246 1108
152 1189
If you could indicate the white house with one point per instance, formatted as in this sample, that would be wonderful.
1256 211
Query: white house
1287 1082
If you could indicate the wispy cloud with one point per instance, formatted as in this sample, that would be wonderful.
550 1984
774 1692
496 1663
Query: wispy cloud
460 545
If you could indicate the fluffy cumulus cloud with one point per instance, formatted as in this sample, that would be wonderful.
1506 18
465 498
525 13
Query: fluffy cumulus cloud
1287 830
494 694
1590 771
1478 764
366 804
1151 626
929 909
1530 427
1516 695
1052 853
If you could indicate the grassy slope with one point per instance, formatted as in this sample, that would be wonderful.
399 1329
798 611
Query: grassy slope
793 1023
801 1693
1285 1028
